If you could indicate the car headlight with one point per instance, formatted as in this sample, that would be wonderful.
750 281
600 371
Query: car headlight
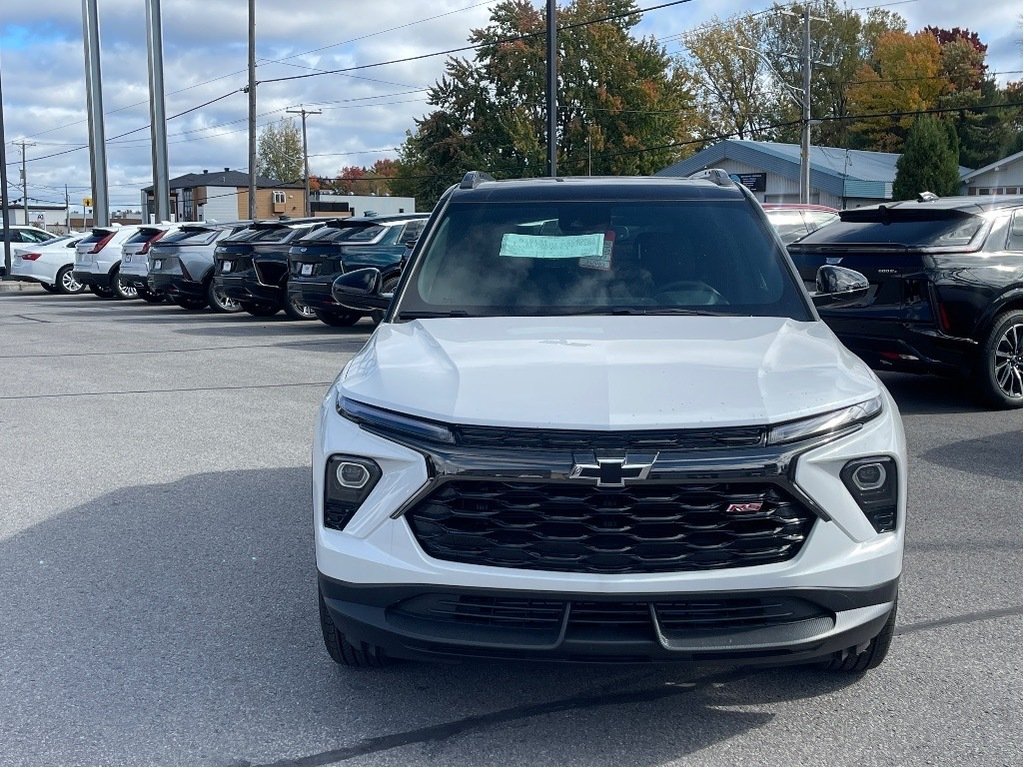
349 480
825 423
389 423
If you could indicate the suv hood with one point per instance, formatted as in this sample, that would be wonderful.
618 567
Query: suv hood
643 372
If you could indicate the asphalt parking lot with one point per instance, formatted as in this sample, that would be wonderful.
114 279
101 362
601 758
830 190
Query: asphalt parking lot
159 602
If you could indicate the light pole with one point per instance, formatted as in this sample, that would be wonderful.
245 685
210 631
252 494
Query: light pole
5 202
552 22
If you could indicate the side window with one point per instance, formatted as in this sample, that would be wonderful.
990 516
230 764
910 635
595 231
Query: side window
412 231
996 240
1015 238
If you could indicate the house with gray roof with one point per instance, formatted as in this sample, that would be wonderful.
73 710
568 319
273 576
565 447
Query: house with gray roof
840 178
1003 177
224 196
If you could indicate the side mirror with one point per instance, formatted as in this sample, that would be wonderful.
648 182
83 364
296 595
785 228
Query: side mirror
838 287
360 290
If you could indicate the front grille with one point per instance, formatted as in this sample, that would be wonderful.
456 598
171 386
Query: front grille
652 440
691 616
646 528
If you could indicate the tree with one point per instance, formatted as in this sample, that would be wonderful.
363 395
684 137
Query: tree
621 107
279 152
930 161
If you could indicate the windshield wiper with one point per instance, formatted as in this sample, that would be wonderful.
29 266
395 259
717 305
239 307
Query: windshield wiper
613 310
429 314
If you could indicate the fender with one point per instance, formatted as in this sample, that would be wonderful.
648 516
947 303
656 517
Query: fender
1012 297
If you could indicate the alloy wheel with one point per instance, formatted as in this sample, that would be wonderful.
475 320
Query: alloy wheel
69 283
1007 361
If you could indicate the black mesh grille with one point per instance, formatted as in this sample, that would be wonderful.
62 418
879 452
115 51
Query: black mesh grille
640 529
654 440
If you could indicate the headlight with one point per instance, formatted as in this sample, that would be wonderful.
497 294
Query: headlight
825 423
348 482
394 424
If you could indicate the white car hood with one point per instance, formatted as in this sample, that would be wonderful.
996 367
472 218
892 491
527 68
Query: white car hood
635 372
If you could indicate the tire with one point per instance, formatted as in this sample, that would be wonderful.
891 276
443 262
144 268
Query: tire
295 309
49 288
66 283
870 657
999 373
259 310
342 651
103 293
122 290
153 298
218 302
190 302
388 286
345 320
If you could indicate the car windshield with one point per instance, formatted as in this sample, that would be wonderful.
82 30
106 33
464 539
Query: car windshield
332 234
572 258
191 236
896 229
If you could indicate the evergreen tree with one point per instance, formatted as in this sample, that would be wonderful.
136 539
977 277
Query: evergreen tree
930 161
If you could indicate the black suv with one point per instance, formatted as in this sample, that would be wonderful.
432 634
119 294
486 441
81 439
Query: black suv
251 267
342 246
945 293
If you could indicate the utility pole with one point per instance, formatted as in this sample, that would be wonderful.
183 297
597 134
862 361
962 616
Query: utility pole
805 127
251 89
24 176
67 209
552 22
5 202
305 152
157 115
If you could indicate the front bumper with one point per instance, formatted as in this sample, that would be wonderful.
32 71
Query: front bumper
410 621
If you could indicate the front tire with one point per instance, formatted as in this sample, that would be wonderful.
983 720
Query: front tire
66 283
870 657
1000 379
342 651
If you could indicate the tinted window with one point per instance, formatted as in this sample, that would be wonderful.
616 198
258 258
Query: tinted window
818 219
366 234
331 234
996 240
564 258
789 224
1015 237
921 232
413 230
141 236
190 236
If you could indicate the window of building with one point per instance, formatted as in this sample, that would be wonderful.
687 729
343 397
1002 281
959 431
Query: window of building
279 198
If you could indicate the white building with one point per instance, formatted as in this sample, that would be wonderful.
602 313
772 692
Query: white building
323 204
48 216
1003 177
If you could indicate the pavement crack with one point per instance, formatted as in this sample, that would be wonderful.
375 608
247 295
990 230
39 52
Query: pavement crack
478 722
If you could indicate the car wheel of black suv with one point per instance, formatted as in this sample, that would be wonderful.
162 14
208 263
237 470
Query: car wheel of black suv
870 657
297 310
343 320
103 293
1000 375
122 290
342 651
218 302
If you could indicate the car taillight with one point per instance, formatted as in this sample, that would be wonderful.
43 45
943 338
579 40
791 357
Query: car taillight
100 243
30 256
153 239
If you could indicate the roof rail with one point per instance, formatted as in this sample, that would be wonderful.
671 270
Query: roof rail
474 179
715 175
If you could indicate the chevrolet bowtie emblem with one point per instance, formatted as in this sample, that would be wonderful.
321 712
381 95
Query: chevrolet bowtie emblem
612 473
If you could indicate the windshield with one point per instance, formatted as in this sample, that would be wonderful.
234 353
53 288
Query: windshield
191 236
898 229
332 234
566 258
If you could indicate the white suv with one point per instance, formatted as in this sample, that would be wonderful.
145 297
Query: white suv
98 261
602 420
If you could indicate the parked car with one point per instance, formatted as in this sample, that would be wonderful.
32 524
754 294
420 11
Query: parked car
181 265
251 267
602 421
98 261
135 259
341 246
50 264
794 220
945 291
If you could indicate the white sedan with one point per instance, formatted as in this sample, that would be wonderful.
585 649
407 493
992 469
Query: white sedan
50 264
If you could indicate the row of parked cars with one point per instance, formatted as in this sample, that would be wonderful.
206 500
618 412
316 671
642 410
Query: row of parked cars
261 267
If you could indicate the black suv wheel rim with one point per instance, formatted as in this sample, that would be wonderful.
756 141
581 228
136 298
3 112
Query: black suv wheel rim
1007 361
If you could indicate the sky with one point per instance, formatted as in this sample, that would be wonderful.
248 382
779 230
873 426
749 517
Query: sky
365 113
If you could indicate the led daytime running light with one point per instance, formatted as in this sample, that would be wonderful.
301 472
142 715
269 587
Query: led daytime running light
825 423
393 423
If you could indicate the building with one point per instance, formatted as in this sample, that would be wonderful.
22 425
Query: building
1003 177
49 216
224 196
340 206
840 178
